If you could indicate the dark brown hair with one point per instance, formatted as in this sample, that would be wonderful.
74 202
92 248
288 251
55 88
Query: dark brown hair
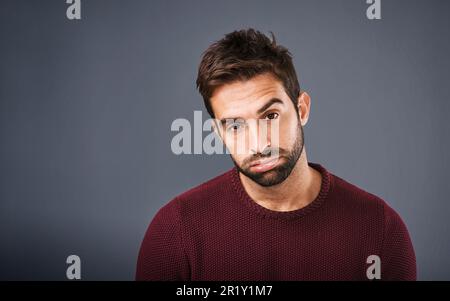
241 55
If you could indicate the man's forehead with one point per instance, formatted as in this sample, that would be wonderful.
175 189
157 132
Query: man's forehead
234 97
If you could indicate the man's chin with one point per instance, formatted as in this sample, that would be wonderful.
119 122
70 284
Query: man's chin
267 178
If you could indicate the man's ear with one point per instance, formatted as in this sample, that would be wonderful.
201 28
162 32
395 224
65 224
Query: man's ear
304 105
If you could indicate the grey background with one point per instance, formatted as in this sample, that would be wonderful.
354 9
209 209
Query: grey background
86 108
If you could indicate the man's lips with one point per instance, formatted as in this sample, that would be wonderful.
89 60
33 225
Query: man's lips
264 164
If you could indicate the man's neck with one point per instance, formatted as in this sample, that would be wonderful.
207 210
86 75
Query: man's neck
299 189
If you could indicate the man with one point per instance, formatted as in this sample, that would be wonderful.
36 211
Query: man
275 216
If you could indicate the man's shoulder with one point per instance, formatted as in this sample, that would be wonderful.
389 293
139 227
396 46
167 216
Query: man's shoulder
363 203
365 207
205 193
209 188
357 199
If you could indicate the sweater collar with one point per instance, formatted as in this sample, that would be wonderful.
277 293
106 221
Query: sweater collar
287 215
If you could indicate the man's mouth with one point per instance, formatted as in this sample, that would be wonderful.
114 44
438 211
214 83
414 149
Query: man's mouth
264 164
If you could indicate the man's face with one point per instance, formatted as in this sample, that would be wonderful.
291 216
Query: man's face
260 126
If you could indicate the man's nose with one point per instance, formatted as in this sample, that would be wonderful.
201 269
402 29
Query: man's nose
258 135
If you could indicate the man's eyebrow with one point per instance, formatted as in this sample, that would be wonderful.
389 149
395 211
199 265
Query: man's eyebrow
224 120
259 111
268 105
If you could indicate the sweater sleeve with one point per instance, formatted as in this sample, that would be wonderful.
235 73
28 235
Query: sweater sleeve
162 256
398 260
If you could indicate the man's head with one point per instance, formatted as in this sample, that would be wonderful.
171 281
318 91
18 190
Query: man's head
245 78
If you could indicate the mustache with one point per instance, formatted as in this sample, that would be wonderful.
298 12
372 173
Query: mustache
266 153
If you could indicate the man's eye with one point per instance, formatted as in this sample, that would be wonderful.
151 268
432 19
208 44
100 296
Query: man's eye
234 127
272 116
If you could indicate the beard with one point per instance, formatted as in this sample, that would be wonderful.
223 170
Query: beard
287 161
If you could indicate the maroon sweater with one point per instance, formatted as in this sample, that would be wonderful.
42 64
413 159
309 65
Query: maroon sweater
215 231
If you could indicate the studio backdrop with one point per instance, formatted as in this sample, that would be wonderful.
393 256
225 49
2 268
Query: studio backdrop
88 96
